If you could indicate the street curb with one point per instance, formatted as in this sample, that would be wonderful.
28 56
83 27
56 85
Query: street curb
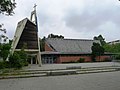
49 73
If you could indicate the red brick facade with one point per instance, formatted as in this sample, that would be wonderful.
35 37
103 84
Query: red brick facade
63 59
74 58
47 48
103 58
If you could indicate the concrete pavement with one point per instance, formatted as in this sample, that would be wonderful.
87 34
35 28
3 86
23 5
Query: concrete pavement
62 69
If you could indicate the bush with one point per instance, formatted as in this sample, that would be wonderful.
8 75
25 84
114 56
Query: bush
1 65
4 51
81 60
4 64
23 57
117 57
15 61
24 62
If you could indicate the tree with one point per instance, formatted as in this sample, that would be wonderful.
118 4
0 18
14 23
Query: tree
15 61
19 58
42 44
23 55
4 50
97 50
55 36
102 40
2 29
113 48
2 36
7 7
109 48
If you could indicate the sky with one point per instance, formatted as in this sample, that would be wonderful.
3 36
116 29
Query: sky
74 19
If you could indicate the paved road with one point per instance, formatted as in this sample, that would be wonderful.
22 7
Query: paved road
96 81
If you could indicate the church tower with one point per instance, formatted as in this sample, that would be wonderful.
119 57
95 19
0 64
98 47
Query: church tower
27 34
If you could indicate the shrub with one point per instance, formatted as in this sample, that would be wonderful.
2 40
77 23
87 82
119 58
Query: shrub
81 60
24 62
4 51
1 65
23 57
117 57
4 64
15 61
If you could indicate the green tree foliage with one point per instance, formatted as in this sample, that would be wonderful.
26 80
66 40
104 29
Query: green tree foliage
97 50
102 40
81 60
10 41
55 36
2 36
113 48
2 29
15 61
4 50
23 58
19 59
23 55
42 44
7 7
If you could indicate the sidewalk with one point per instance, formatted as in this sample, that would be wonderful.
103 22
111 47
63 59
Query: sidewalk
63 66
62 69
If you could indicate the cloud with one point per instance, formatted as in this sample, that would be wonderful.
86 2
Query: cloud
92 19
71 18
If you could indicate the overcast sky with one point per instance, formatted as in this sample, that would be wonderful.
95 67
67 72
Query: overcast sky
78 19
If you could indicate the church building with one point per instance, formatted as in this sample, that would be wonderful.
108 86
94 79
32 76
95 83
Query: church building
56 50
26 36
69 50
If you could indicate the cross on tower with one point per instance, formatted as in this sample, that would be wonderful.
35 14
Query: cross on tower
33 17
35 6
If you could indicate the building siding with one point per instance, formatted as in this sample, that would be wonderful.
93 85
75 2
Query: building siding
73 58
64 58
103 58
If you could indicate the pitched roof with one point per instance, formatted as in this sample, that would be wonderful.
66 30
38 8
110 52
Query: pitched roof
71 45
22 36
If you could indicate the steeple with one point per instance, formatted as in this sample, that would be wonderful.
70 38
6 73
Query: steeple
27 34
33 16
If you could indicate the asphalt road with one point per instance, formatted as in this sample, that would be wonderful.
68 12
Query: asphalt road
94 81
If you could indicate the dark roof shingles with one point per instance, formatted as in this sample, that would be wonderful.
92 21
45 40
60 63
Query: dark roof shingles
71 45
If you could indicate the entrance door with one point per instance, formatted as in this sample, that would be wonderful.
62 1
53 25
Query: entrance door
48 60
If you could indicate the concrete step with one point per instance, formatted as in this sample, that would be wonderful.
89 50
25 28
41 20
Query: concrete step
20 72
58 72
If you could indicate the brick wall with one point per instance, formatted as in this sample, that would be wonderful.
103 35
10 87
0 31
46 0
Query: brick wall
70 58
76 58
47 48
102 58
73 58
